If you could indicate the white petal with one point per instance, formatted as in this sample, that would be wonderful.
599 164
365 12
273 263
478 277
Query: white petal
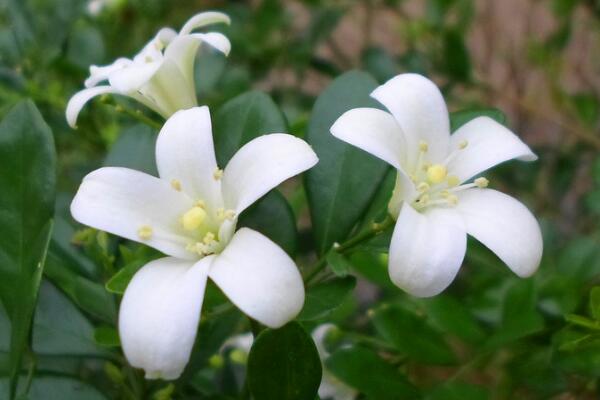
159 315
427 250
133 77
80 98
204 19
374 131
505 226
121 201
165 36
182 51
419 108
215 40
488 143
185 152
259 278
101 73
262 164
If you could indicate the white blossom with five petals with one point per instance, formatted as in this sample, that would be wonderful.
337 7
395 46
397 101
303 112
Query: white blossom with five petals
190 214
161 76
434 200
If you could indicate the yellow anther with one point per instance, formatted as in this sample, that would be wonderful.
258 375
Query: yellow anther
200 203
452 200
209 238
176 184
481 182
426 166
145 232
445 194
436 173
238 356
216 361
463 145
423 187
193 218
453 181
423 199
218 174
229 214
423 146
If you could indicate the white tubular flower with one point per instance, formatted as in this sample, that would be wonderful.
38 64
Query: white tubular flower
434 202
161 76
190 214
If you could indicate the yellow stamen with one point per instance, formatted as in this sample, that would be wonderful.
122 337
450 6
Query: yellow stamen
176 184
436 173
481 182
453 181
209 238
218 174
423 187
193 218
462 145
423 146
145 232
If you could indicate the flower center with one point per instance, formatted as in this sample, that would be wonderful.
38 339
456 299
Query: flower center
203 226
435 186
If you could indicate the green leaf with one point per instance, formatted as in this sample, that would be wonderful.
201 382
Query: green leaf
340 187
459 118
456 61
56 387
284 364
595 303
273 217
412 336
338 263
449 315
364 370
458 391
324 298
60 329
135 149
242 119
27 158
520 317
119 281
106 336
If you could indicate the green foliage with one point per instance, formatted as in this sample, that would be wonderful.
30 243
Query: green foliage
323 298
284 365
344 172
27 151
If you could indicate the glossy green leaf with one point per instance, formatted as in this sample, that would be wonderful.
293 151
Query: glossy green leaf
242 119
284 365
273 217
338 263
135 149
119 281
106 336
398 327
27 158
365 371
323 298
340 187
459 118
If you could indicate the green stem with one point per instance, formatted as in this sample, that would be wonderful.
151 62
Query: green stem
362 237
136 114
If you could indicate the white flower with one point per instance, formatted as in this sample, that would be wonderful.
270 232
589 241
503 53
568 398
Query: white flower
190 214
161 76
434 205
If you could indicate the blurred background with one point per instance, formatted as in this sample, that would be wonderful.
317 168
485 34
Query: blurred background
538 61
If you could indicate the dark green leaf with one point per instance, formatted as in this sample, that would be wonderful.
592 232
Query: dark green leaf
58 388
273 217
398 327
456 61
458 391
134 149
366 371
27 158
341 186
284 365
324 298
242 119
595 303
451 316
60 329
338 263
459 118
